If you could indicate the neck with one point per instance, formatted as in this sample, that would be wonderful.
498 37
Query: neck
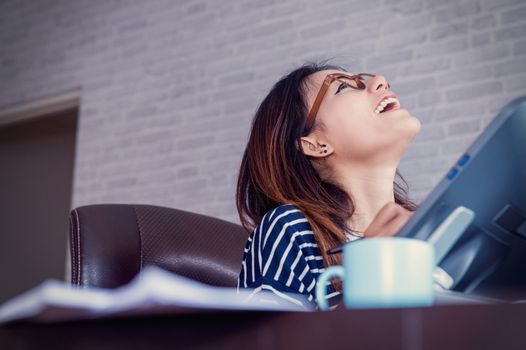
370 187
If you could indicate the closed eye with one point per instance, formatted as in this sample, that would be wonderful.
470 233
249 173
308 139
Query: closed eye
341 87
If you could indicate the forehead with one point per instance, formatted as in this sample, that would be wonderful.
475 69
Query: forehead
315 80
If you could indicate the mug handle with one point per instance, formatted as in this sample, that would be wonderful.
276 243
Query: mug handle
326 276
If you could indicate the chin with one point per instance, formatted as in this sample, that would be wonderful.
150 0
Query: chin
412 125
417 124
407 131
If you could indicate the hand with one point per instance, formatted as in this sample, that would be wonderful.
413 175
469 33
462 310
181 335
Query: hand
388 221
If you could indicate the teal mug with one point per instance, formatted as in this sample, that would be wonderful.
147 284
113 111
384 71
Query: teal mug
383 272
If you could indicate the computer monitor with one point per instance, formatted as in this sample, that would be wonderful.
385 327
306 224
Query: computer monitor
489 178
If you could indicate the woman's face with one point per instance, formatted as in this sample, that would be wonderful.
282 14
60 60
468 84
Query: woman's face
349 125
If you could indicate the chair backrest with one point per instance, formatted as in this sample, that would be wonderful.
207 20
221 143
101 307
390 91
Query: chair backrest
111 243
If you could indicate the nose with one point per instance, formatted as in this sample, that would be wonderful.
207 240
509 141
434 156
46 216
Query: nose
378 82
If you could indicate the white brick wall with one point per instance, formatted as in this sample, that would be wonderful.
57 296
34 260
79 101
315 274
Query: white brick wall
169 87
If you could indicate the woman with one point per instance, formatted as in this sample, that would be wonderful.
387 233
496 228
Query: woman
319 170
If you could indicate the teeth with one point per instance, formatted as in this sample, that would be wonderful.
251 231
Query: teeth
384 103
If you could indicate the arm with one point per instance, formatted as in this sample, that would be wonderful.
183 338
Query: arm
280 257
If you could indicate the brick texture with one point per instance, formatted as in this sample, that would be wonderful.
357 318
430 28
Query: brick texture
169 87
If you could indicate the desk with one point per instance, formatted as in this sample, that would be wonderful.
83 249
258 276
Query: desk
477 326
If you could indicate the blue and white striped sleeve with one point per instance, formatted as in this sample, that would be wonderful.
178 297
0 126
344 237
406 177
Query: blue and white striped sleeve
281 256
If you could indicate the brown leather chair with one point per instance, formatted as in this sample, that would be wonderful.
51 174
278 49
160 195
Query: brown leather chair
111 243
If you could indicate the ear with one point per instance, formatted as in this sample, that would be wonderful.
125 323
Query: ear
315 148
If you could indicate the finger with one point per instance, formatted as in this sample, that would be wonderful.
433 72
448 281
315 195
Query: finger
390 228
388 212
393 226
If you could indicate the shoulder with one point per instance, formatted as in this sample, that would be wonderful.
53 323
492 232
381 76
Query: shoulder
282 222
285 214
284 210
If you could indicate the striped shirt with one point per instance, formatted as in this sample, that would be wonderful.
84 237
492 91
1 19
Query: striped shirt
281 256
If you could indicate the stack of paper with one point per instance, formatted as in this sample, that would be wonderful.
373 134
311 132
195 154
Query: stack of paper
154 291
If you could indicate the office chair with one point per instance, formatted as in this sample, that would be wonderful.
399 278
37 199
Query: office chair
110 244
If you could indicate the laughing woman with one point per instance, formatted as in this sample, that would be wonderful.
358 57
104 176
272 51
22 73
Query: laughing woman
319 170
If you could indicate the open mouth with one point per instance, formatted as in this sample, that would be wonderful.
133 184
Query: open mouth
386 105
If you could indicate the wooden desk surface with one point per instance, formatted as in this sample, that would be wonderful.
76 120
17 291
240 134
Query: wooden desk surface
496 326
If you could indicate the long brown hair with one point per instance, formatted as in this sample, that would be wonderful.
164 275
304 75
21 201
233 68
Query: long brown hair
275 171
